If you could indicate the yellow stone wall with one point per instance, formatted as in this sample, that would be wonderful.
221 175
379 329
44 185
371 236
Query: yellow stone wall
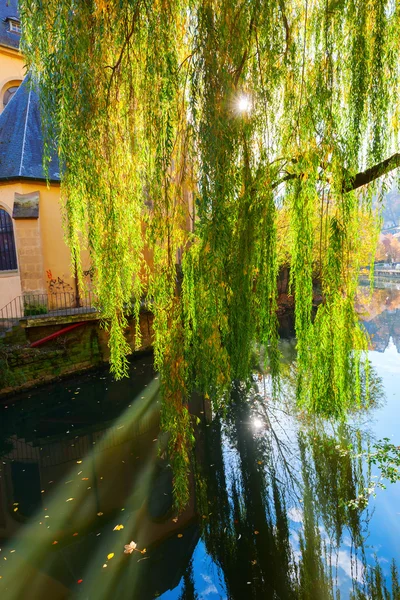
44 260
12 70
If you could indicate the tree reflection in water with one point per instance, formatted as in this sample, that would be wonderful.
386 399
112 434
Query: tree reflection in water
275 494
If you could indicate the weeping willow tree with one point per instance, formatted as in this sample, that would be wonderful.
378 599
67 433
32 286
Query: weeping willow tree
189 129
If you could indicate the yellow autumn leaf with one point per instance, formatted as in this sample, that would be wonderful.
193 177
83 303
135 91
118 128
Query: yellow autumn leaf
118 528
110 556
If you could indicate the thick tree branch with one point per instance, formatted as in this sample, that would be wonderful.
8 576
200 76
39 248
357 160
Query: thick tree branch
372 173
246 52
357 181
288 177
286 25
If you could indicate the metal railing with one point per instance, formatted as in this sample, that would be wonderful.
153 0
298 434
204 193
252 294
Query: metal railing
40 305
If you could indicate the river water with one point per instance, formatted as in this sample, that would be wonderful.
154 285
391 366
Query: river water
271 515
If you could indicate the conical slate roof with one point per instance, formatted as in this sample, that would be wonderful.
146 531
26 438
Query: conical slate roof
21 138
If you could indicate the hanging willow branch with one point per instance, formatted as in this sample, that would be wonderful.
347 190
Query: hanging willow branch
153 104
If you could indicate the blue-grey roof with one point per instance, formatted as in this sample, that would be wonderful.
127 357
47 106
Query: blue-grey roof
21 139
8 9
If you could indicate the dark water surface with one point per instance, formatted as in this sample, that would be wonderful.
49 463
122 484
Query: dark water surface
84 473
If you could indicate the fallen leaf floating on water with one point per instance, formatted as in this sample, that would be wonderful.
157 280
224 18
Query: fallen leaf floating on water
99 514
79 581
70 499
256 532
105 566
175 520
253 562
78 462
143 551
129 548
74 534
15 509
85 478
55 542
118 528
180 535
110 556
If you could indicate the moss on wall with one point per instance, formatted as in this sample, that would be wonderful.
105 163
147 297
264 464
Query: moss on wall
83 348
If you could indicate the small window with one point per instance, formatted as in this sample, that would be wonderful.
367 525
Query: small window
15 26
8 255
8 94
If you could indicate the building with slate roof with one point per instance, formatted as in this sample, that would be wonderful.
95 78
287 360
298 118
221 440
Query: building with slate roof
34 258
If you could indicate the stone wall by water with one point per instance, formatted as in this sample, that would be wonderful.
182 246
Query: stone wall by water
85 347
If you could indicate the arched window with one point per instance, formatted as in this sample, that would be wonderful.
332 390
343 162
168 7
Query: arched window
8 255
8 94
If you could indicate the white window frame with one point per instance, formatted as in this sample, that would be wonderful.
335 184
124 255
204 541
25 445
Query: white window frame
15 26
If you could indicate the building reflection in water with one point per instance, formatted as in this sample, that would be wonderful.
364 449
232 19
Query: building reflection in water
71 472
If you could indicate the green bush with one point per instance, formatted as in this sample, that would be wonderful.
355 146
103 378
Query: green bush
35 309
